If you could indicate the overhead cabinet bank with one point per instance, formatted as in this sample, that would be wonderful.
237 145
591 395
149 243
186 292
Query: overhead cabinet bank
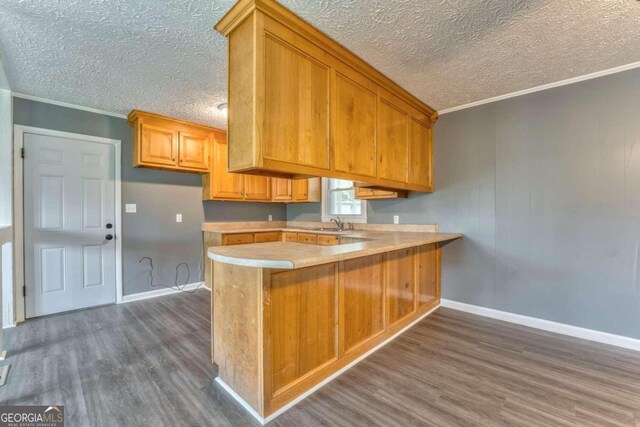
300 104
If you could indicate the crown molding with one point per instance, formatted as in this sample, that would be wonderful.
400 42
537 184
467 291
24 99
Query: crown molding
68 105
544 87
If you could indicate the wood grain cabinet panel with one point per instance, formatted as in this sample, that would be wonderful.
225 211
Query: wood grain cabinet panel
420 168
289 237
354 127
281 189
364 193
401 285
361 290
392 142
302 323
237 239
428 258
267 237
257 188
309 239
327 240
194 151
220 184
296 103
303 105
158 145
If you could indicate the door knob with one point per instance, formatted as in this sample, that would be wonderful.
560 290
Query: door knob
109 226
109 236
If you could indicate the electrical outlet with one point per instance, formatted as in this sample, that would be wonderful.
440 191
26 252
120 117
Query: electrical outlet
130 208
270 217
396 219
178 217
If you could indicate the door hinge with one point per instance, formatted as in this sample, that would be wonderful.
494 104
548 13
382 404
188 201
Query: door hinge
22 153
24 291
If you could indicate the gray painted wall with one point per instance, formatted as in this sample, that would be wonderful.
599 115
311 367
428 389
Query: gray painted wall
546 189
159 195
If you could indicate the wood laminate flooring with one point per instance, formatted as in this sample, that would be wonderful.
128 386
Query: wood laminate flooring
147 363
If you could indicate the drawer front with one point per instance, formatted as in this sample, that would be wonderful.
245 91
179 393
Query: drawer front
237 239
327 240
310 239
290 237
267 237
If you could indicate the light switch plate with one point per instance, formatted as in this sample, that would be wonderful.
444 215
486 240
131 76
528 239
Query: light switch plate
270 217
130 208
396 219
178 217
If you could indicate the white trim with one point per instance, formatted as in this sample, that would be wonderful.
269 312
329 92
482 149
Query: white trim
336 374
544 87
18 197
162 292
546 325
68 105
326 217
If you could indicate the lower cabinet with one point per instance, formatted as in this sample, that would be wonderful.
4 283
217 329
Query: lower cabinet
361 301
301 320
319 319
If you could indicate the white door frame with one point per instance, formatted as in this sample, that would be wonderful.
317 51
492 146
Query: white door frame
18 214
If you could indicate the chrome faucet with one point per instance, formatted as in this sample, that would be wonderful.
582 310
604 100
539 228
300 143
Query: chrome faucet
339 223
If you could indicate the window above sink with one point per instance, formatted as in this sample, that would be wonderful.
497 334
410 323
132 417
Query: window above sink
338 200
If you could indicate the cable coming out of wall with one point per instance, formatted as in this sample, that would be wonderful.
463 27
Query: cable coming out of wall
175 286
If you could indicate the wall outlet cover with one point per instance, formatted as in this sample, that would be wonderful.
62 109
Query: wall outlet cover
396 219
178 217
130 208
270 217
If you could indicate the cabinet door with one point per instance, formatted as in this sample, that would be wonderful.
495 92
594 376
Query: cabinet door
194 151
420 153
281 189
158 145
224 185
257 188
296 103
361 301
400 283
301 319
428 274
300 190
363 193
392 142
354 124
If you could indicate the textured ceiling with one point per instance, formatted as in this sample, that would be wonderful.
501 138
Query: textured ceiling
164 56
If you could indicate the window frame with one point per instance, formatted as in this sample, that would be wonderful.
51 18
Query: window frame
327 217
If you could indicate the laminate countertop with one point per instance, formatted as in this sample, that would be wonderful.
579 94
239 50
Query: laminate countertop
287 255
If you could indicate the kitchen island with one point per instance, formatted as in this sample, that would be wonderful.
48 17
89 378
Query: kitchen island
288 316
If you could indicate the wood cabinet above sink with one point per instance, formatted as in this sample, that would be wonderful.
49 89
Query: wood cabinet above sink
300 104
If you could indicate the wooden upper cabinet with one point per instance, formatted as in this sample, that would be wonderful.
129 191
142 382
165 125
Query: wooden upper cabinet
364 193
220 184
257 188
164 143
300 104
307 190
420 153
354 125
296 100
194 151
392 142
157 146
281 189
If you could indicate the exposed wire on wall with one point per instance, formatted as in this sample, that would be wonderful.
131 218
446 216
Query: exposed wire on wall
175 285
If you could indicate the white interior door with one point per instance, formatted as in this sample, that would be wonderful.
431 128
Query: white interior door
69 217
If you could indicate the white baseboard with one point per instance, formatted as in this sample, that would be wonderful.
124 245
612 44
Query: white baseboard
161 292
336 374
546 325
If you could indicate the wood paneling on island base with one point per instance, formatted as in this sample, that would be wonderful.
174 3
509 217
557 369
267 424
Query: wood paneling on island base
278 334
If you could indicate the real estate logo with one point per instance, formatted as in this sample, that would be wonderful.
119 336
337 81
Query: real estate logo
32 416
